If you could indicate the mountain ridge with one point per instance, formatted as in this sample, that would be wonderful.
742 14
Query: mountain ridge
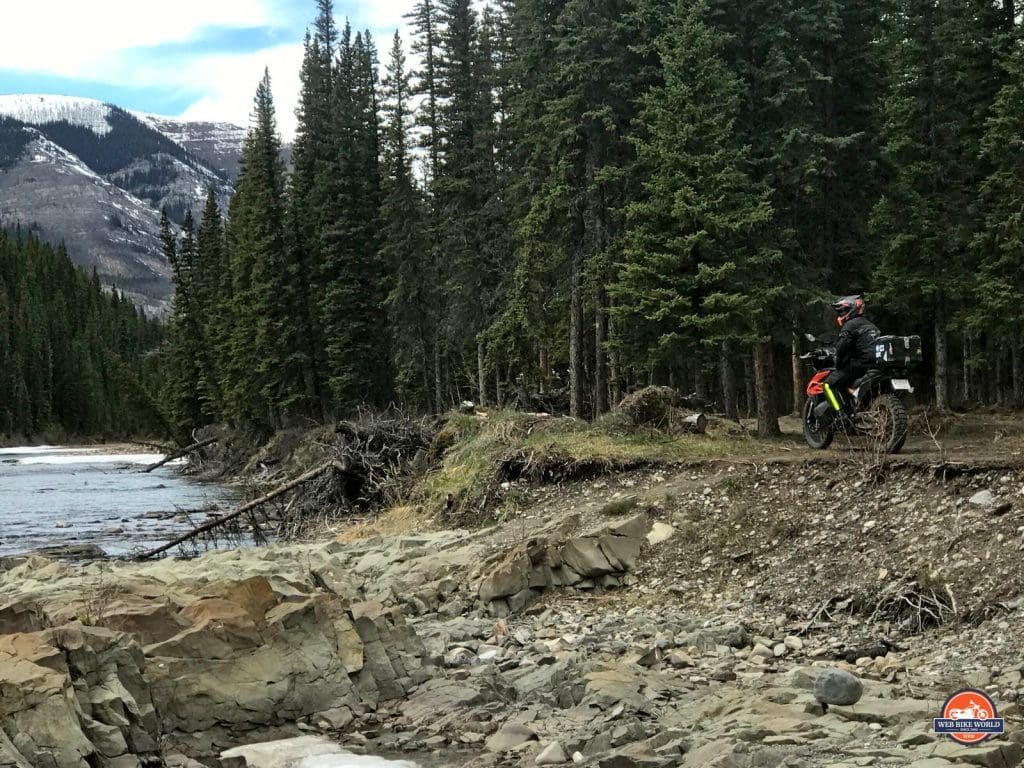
95 176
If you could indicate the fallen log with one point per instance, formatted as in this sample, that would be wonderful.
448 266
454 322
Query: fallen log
183 452
694 424
247 507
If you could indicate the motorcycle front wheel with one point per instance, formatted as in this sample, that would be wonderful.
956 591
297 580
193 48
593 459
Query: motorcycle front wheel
816 434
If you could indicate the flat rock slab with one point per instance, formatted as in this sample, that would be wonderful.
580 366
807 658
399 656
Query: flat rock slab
286 753
887 711
991 754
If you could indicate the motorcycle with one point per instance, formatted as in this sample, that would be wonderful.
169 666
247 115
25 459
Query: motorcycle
874 409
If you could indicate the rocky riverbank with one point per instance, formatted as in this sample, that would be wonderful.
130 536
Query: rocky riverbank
659 617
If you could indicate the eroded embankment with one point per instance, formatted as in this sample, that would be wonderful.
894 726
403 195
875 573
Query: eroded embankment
672 614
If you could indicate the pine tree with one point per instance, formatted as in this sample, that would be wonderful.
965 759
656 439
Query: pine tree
426 27
464 188
403 215
695 272
310 193
212 296
530 330
354 279
1000 243
426 31
584 114
268 365
932 142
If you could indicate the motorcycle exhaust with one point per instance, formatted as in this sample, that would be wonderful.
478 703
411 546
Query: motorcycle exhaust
822 411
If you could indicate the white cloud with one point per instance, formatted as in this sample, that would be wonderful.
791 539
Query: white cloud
87 40
230 79
383 16
105 41
230 83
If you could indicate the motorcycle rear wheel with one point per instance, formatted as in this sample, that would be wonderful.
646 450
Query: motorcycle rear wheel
817 435
889 423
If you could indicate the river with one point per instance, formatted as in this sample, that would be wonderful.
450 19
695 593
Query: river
59 497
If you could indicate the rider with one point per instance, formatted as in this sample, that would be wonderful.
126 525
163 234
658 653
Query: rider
855 346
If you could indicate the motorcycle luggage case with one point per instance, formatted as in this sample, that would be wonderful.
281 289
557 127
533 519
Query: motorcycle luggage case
898 351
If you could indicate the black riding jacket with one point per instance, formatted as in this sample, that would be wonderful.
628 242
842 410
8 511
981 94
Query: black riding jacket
855 347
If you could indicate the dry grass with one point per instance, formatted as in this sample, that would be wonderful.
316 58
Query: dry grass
477 453
392 522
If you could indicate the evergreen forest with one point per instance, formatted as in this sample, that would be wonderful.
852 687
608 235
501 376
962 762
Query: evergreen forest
548 203
75 359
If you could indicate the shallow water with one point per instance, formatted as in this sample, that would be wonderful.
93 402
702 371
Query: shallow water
52 496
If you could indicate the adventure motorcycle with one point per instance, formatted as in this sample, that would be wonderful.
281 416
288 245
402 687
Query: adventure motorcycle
874 408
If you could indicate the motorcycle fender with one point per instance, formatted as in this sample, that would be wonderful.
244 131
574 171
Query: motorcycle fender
816 388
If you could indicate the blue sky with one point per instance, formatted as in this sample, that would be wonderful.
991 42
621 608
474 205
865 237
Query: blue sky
199 59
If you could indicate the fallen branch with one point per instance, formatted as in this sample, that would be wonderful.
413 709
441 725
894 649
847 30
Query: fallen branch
183 452
247 507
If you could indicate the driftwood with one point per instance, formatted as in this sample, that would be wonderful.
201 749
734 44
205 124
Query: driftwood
247 507
183 452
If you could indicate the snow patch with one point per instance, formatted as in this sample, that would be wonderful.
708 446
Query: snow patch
38 109
46 151
41 449
55 454
99 458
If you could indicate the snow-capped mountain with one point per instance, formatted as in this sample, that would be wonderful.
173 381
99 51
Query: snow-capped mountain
219 144
33 108
104 227
95 176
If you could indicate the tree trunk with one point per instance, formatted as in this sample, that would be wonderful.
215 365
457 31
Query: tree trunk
600 353
1018 379
764 374
967 369
748 386
438 375
798 376
941 367
700 385
997 378
576 335
499 392
729 394
481 372
544 371
614 364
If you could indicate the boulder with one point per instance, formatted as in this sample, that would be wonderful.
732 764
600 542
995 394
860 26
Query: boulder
552 754
660 532
507 579
836 686
983 499
510 736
